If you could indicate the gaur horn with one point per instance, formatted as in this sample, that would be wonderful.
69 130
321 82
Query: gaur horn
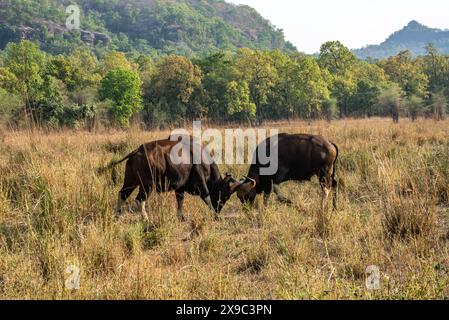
252 181
246 186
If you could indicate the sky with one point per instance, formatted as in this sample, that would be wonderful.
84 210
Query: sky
356 23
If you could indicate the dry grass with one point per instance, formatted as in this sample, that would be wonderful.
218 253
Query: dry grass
55 211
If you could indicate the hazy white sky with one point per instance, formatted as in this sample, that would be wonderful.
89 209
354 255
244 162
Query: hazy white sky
309 23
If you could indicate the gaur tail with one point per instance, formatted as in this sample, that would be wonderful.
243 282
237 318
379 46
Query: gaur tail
335 183
334 173
113 164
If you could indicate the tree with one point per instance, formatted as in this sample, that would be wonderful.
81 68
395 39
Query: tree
123 89
238 101
439 105
285 93
370 80
312 87
415 107
256 68
406 72
9 103
62 68
116 60
170 91
339 61
336 58
146 66
48 109
27 63
329 109
78 71
436 68
390 102
218 70
8 80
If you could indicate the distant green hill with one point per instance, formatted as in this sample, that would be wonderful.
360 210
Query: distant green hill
413 37
188 27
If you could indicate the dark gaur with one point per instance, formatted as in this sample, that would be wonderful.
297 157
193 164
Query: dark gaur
150 168
301 157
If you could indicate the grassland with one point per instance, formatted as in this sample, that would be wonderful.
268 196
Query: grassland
55 211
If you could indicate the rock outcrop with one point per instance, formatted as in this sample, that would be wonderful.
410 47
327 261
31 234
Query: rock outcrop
32 32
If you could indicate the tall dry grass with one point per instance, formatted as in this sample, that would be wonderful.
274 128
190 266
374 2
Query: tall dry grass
55 211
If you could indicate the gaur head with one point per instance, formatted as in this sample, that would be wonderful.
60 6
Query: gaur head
222 190
248 197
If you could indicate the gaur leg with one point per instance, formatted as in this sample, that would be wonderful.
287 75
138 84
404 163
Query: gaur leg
325 197
281 197
144 193
120 203
205 194
180 209
277 189
267 193
326 186
266 199
208 201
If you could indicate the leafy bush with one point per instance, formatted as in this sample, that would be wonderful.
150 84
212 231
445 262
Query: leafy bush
75 116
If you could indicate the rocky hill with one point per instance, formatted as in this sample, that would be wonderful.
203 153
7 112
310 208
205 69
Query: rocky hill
188 27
